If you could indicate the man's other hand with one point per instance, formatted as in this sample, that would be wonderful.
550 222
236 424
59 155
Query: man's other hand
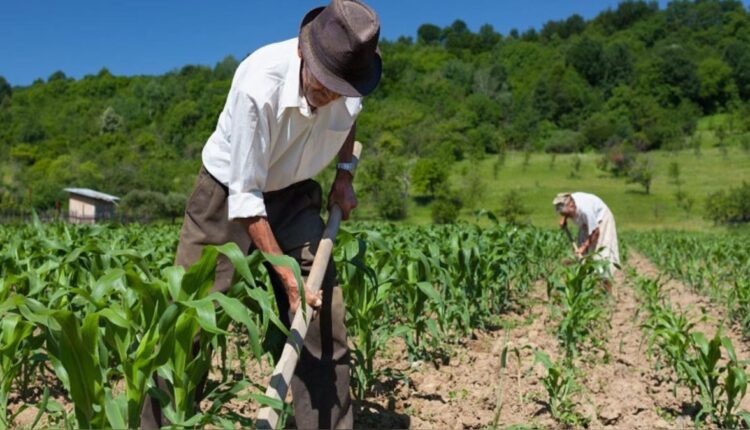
342 193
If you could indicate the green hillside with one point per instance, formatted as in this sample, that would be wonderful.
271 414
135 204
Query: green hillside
542 178
635 79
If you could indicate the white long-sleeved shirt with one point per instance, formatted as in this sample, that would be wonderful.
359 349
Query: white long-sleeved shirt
267 136
590 210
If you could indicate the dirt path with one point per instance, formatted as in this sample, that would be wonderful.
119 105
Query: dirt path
619 387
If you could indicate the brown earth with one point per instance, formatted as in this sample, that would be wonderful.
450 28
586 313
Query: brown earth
619 388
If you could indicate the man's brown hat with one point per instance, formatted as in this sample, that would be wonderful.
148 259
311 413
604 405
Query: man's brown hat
339 44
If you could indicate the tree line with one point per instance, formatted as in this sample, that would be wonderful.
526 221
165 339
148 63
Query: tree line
634 78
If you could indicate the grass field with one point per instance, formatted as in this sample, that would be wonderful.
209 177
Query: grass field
544 175
704 170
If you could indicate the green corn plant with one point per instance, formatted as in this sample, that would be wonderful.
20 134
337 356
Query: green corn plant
704 373
670 331
13 334
185 368
560 385
581 305
719 388
419 296
365 290
735 388
738 303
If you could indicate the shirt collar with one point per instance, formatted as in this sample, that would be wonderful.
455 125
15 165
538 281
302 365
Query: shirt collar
292 97
290 94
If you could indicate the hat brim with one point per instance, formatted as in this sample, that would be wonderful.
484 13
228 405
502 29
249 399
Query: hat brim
359 88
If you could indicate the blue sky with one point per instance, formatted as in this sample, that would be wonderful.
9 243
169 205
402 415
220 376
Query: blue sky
131 37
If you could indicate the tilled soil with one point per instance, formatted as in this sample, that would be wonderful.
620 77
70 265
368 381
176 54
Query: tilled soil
619 388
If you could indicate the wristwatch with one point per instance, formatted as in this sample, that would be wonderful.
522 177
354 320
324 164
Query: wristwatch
349 167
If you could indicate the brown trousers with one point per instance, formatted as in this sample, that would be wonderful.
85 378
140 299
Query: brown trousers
320 386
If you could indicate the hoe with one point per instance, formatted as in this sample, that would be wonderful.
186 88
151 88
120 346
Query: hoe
282 375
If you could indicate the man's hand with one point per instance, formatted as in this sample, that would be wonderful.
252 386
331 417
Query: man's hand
292 291
260 233
342 193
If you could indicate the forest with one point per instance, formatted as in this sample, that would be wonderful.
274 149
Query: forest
633 79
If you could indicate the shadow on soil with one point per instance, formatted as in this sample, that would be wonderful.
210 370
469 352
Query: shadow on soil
368 415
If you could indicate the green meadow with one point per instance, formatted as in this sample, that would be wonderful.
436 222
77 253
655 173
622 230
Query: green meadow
541 176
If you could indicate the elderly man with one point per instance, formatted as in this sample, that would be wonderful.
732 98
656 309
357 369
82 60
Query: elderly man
596 226
291 109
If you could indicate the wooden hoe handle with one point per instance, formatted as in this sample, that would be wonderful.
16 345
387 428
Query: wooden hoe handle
268 417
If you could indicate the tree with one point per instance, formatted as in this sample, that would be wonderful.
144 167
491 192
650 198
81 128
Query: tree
717 87
587 58
429 176
642 173
618 159
458 37
618 65
737 55
445 208
225 68
429 34
384 185
512 208
147 205
563 29
57 76
599 129
684 201
729 206
561 96
110 121
677 77
488 37
674 173
5 90
174 205
627 13
472 189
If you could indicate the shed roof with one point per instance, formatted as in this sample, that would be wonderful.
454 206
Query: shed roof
93 194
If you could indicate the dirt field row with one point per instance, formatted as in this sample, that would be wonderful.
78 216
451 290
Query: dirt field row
620 389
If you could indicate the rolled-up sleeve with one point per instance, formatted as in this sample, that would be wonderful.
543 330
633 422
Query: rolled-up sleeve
250 158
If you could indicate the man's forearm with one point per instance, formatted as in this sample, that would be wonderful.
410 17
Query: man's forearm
259 230
594 238
591 240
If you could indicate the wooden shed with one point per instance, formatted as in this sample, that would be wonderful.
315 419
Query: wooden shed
87 206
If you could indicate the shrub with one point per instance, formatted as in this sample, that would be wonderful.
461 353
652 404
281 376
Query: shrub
729 207
149 205
428 176
445 208
512 208
384 184
641 173
684 201
563 141
618 159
